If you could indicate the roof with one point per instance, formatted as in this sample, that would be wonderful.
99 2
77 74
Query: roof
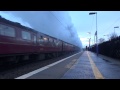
14 24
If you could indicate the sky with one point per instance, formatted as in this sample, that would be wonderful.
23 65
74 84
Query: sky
84 23
70 26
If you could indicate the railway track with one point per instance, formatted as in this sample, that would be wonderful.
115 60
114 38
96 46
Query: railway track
15 70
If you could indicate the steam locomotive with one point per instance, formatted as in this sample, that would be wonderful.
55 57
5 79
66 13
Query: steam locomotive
18 43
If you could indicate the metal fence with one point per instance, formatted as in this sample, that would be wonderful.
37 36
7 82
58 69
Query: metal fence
109 48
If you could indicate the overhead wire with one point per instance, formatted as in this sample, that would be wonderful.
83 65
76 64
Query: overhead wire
57 18
111 25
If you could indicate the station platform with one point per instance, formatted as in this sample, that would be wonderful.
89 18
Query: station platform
82 65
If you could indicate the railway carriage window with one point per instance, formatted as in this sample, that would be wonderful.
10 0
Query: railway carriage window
45 39
35 39
41 40
60 43
26 35
55 42
7 31
41 37
50 39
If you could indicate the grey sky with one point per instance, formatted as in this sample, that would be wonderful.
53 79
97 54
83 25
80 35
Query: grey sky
106 21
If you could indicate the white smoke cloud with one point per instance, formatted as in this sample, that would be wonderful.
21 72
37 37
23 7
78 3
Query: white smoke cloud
54 23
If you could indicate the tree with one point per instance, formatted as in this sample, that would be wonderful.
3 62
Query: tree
112 36
101 40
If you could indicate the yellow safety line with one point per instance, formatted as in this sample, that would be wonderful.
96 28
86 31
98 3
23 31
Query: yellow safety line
96 72
71 63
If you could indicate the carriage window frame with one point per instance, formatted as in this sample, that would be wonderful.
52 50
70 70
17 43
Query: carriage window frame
34 39
41 41
46 39
26 35
6 30
50 40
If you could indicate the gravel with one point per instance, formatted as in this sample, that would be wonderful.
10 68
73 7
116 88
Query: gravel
14 71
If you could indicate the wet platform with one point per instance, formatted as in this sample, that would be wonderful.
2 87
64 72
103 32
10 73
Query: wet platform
80 70
83 65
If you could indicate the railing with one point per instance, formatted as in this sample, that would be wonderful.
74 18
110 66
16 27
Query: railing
109 48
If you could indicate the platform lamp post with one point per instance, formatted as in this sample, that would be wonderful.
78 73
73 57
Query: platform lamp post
92 13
